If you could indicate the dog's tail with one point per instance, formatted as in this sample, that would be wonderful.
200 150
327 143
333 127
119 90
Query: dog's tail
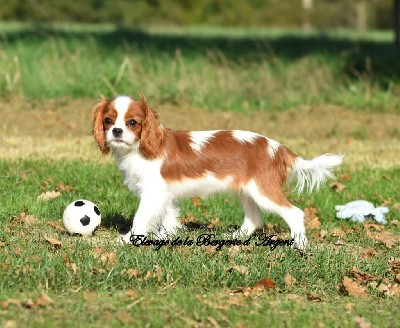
310 174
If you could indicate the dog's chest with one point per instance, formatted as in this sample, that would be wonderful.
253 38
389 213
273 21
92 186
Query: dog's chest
140 173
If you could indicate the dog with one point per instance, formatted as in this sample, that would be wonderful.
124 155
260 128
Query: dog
162 165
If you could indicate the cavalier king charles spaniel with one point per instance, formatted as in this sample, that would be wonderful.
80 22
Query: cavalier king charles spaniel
162 165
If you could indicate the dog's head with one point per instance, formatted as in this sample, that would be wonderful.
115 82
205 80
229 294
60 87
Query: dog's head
126 124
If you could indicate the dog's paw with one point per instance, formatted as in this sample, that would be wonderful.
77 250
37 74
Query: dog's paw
124 239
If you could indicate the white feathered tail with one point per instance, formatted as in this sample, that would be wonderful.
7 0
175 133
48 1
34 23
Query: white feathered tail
312 173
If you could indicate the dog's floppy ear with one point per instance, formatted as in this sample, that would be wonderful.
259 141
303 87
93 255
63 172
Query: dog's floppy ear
98 128
152 134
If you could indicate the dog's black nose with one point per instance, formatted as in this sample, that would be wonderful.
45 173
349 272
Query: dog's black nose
117 132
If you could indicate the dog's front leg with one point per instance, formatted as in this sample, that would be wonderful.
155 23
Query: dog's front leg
151 208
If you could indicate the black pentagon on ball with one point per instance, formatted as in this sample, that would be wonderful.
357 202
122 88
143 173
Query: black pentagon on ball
85 220
79 203
96 210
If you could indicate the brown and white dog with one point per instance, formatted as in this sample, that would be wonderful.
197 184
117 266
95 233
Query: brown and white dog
163 165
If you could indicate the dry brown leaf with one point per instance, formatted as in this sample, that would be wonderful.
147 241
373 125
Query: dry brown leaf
337 232
53 242
147 276
56 226
373 226
264 284
74 268
131 293
394 265
396 223
25 219
44 301
289 280
369 253
132 273
214 223
29 304
188 219
397 278
344 177
196 201
63 187
125 317
158 272
362 322
106 257
363 276
353 288
314 297
17 251
239 268
11 301
337 186
48 195
311 218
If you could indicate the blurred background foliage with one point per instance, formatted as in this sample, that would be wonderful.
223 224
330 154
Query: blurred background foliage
361 14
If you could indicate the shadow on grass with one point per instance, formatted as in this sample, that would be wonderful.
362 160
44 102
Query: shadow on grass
377 59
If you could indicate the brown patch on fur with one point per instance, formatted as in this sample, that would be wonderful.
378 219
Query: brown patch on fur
152 134
225 156
99 134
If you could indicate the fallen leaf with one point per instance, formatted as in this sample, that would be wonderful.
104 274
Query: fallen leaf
386 202
196 201
48 195
373 226
363 276
311 218
344 177
147 276
44 301
29 304
289 280
56 226
25 219
396 223
264 284
353 288
188 219
131 293
362 322
11 301
239 268
369 253
158 272
214 223
17 251
63 187
397 278
337 186
336 232
132 273
74 268
53 242
314 297
125 317
106 257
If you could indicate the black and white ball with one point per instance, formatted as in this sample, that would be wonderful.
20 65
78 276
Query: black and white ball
81 217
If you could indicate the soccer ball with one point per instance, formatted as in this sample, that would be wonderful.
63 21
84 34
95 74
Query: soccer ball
81 217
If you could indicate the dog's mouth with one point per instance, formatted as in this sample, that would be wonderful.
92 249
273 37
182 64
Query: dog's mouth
119 142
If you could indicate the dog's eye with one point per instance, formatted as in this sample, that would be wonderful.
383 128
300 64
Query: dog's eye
108 121
131 123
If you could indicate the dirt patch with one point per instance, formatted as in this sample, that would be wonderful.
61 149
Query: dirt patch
62 129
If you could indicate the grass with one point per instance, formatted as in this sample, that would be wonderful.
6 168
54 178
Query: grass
255 69
92 280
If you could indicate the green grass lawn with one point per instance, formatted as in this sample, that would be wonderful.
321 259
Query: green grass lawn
348 277
255 69
92 281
